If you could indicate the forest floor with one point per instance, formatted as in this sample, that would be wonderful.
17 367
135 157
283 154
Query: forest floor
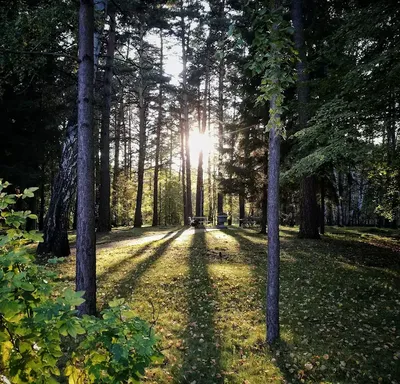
340 303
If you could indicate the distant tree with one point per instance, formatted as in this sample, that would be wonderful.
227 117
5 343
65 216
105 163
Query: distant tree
104 223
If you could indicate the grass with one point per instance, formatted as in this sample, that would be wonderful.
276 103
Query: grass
340 304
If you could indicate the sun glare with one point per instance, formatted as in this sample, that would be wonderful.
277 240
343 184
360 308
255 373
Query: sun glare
201 142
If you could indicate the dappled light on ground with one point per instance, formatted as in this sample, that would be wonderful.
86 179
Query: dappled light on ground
205 292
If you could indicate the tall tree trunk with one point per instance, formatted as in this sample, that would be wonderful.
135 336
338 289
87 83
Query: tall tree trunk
185 44
273 233
308 193
209 170
138 222
158 137
241 209
117 134
183 175
85 240
339 206
55 235
221 76
200 181
104 224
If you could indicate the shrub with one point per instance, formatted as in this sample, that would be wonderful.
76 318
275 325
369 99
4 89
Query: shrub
36 323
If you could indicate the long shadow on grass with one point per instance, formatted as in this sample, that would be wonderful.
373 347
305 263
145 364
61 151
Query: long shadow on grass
119 266
125 286
201 362
326 310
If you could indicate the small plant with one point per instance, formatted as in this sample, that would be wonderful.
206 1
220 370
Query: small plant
35 322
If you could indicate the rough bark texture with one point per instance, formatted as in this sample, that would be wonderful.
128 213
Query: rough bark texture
138 222
64 185
158 138
273 235
55 235
308 207
85 239
104 224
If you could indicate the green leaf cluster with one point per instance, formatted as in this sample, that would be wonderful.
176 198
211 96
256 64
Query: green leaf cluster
36 323
273 58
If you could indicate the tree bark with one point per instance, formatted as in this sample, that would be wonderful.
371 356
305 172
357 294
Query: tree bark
185 43
85 241
104 224
221 76
273 234
158 138
138 221
55 235
339 205
183 180
241 209
200 181
308 205
117 135
55 229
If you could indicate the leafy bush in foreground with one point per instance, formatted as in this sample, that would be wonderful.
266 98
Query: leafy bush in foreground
40 333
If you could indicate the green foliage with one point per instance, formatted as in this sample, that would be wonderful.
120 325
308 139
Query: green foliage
35 322
273 59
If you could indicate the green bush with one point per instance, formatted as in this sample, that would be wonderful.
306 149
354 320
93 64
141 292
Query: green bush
40 332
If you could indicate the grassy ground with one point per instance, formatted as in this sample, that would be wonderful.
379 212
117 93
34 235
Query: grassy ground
340 304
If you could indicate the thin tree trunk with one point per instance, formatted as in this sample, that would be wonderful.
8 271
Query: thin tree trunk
158 137
85 241
185 43
273 233
241 209
209 170
200 181
221 76
117 134
308 206
339 212
138 222
104 224
183 179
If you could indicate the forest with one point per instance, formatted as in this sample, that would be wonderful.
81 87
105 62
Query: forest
199 191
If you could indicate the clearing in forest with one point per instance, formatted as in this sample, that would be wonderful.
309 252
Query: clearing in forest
340 308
